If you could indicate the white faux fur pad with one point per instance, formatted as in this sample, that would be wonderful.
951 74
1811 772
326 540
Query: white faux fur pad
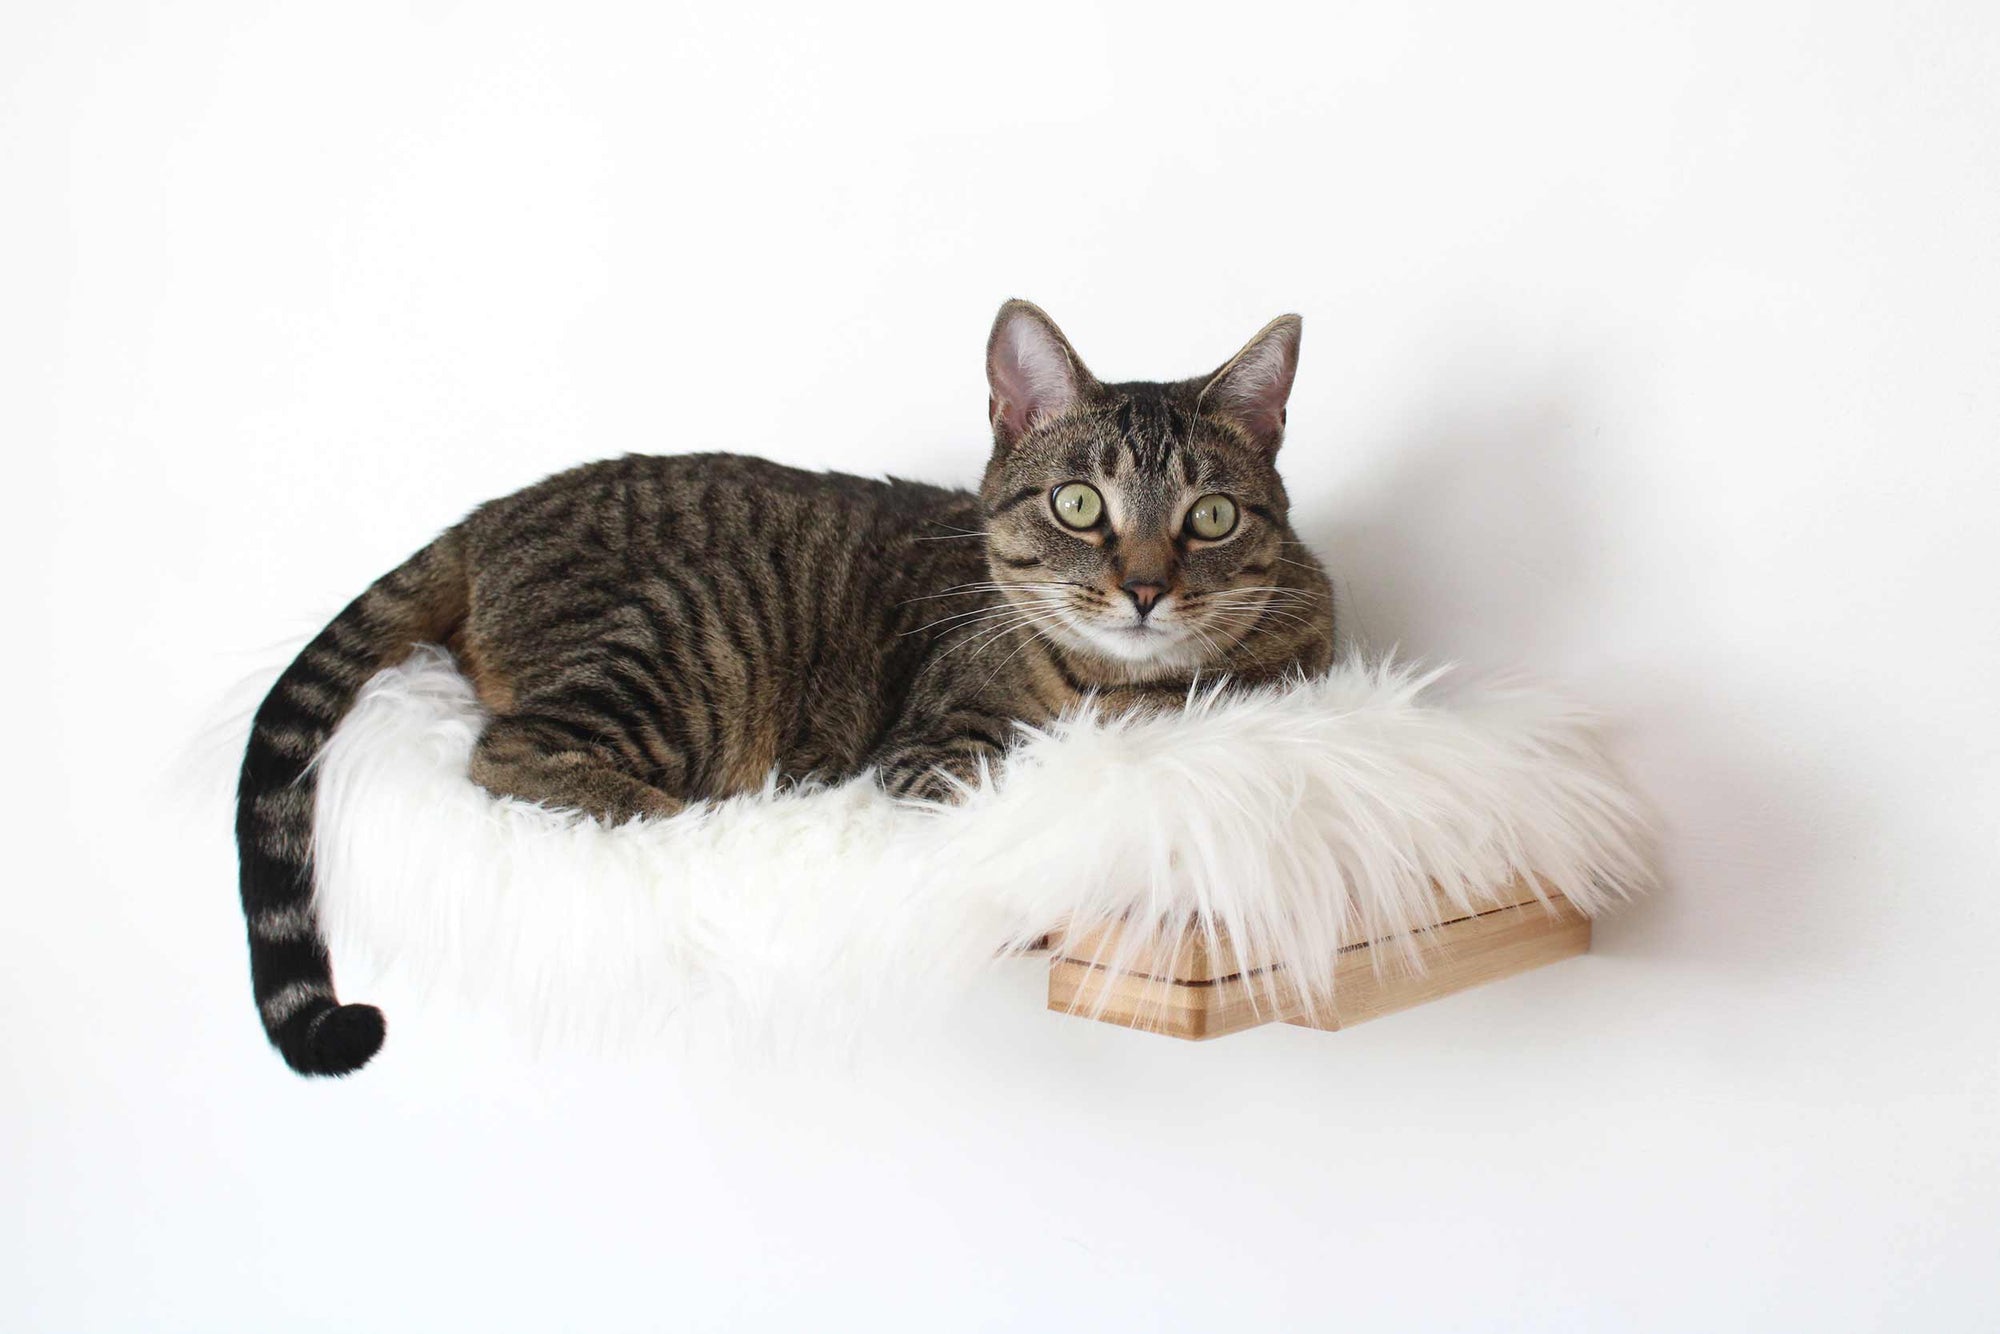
1282 817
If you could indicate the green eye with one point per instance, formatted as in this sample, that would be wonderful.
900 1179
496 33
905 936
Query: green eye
1077 505
1212 518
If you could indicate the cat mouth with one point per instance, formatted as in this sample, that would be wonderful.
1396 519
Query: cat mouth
1132 640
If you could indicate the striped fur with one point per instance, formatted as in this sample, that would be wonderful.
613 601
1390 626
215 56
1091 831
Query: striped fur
652 631
290 973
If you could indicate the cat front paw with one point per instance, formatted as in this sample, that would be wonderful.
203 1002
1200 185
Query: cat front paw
938 781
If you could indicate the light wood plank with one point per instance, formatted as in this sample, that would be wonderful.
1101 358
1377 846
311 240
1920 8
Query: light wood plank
1455 958
1191 955
1368 982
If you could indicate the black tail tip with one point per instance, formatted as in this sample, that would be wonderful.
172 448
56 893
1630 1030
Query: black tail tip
337 1040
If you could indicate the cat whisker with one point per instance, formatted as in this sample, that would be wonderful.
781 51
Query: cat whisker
982 586
1208 641
973 590
1252 603
1032 616
983 614
1035 633
1275 590
1249 617
1005 619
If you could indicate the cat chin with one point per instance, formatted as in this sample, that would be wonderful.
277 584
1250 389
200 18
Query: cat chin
1163 647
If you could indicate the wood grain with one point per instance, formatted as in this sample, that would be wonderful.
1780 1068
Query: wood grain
1369 979
1196 953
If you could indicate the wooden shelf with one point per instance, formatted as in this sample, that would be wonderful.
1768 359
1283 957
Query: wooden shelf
1196 988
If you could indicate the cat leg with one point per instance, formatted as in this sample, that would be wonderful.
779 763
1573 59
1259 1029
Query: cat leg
533 758
936 758
936 775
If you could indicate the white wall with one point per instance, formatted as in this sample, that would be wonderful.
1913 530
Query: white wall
1654 347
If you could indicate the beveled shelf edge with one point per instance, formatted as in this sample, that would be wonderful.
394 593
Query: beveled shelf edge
1453 956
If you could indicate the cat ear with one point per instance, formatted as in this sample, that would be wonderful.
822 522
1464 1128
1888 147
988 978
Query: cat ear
1251 388
1033 372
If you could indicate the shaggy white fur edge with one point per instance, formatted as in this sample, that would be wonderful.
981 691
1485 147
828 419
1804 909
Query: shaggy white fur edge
1281 816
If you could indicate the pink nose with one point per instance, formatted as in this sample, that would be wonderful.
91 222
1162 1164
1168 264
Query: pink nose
1143 594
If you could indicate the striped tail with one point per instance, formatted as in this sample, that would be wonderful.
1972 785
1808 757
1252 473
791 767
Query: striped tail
424 599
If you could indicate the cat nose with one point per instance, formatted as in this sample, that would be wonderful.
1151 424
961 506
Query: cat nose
1144 593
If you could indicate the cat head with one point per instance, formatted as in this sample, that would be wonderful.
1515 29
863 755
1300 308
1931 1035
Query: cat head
1141 523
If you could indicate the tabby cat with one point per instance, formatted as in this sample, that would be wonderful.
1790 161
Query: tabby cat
649 632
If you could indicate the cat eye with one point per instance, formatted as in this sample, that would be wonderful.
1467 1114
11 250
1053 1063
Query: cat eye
1212 518
1077 505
